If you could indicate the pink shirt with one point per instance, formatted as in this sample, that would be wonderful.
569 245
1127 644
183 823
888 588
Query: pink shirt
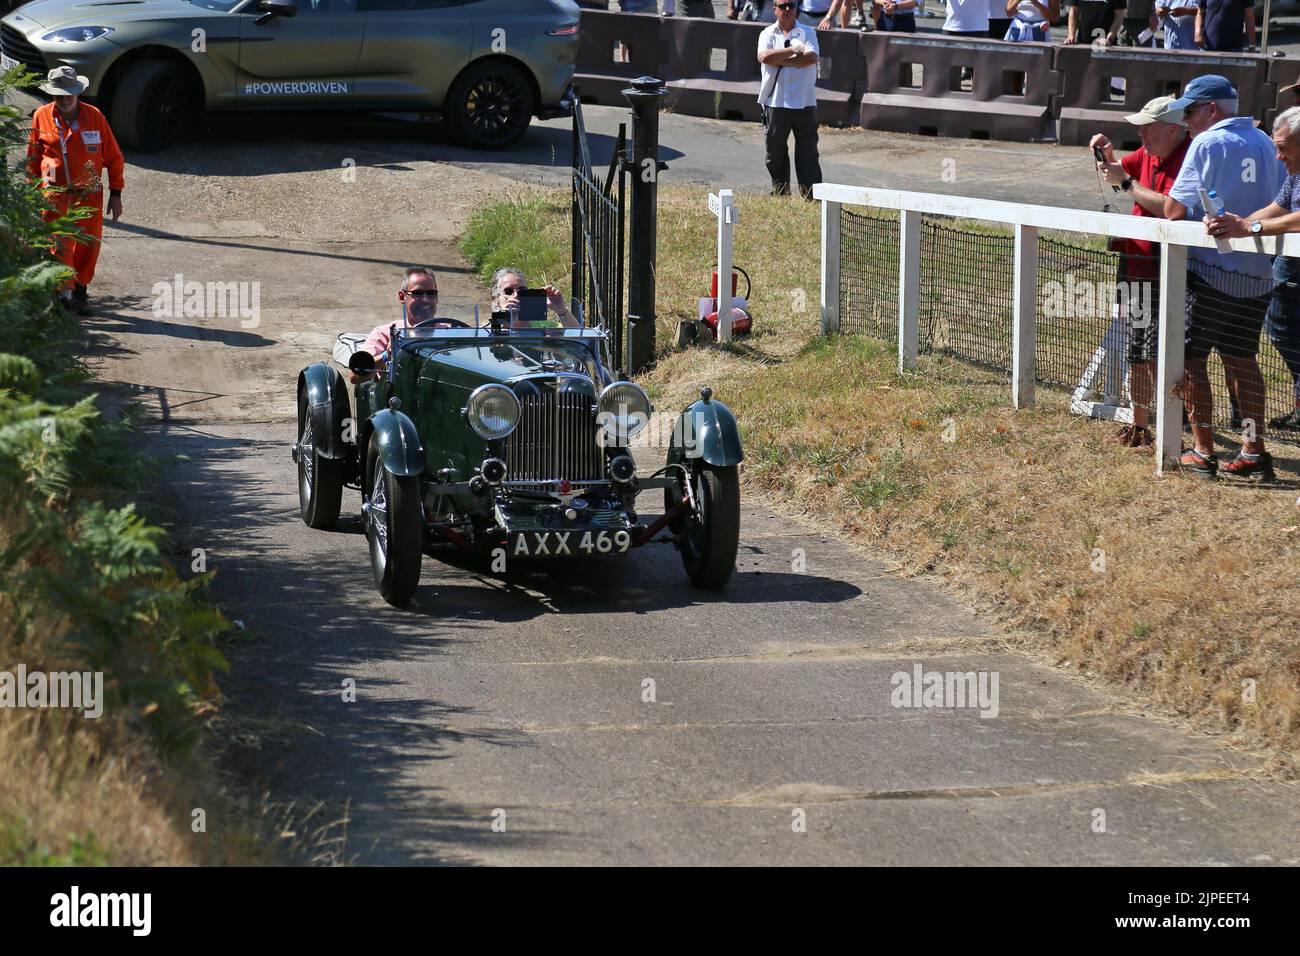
377 343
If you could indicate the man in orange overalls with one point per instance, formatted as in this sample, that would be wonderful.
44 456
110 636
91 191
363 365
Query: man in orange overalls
69 147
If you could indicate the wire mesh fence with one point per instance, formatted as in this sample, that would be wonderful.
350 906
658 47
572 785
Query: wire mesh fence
1097 317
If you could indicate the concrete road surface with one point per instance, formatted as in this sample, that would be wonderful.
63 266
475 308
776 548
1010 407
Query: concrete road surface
771 735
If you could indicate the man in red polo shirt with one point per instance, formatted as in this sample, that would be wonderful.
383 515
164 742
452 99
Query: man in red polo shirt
1146 175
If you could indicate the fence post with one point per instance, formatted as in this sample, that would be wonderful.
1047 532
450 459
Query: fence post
830 267
1169 359
723 206
644 95
1025 313
909 286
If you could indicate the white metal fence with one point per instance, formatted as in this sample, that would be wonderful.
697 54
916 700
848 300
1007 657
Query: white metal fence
1026 220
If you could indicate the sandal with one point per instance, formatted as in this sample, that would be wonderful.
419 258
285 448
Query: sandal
1206 466
1243 467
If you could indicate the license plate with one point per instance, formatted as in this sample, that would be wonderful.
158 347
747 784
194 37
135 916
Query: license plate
7 63
551 544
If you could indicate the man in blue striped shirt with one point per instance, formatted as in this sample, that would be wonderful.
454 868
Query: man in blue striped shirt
1227 293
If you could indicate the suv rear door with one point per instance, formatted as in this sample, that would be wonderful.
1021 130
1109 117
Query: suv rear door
309 59
412 51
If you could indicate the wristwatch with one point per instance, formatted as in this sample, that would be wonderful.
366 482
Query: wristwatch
1127 184
1257 227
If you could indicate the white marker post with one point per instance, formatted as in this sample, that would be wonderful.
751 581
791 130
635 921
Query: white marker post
723 205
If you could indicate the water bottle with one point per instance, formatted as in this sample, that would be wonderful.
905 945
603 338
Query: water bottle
1214 207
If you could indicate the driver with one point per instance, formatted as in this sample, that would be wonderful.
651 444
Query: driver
419 298
508 283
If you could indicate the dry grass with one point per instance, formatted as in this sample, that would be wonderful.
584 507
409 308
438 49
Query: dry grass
1200 590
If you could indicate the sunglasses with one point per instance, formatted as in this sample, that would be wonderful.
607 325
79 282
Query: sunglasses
423 293
512 289
1193 108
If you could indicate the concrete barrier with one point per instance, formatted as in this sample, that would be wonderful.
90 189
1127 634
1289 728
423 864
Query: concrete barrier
613 49
915 85
1093 102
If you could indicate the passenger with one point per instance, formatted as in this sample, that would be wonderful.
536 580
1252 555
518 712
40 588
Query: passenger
508 283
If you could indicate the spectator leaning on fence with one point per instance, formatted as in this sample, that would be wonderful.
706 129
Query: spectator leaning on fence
1094 21
1279 216
1031 20
788 53
1225 25
1147 174
1179 17
1227 293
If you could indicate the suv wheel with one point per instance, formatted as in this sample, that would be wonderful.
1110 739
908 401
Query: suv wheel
489 106
151 106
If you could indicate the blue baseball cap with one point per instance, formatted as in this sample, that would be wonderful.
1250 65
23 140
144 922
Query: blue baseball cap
1203 89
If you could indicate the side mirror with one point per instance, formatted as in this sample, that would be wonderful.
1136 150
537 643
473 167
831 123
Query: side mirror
276 8
361 363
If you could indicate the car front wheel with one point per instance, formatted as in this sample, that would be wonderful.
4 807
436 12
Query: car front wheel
395 530
151 106
489 106
711 532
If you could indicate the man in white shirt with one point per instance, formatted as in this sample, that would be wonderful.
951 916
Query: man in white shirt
788 53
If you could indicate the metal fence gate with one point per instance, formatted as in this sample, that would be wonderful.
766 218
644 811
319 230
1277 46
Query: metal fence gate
597 236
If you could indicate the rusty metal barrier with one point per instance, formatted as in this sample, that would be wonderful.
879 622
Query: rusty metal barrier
941 86
1102 85
613 50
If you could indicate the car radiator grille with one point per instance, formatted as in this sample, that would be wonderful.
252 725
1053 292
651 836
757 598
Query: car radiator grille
556 439
15 45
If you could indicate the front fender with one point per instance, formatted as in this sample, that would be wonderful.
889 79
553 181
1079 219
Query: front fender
327 404
707 429
397 443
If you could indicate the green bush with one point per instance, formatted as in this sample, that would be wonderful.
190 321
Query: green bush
83 583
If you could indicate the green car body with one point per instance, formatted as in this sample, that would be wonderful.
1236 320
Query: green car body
487 66
561 477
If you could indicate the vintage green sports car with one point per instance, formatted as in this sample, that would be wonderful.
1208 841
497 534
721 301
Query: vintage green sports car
511 443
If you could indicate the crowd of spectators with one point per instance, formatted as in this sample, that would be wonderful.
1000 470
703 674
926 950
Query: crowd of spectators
1224 26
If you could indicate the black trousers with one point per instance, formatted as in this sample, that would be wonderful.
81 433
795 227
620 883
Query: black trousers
807 166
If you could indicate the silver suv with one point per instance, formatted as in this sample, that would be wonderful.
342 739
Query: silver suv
487 66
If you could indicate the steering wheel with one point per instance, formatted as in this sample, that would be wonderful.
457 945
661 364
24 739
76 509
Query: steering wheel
446 324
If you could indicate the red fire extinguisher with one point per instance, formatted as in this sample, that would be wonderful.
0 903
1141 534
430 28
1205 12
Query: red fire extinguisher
742 322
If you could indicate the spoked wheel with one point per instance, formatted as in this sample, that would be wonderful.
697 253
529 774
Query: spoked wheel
320 480
489 106
710 534
395 530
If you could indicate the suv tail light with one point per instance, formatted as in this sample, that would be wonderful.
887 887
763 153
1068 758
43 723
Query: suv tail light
563 30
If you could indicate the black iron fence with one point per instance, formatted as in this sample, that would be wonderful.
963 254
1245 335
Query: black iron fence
597 236
1083 341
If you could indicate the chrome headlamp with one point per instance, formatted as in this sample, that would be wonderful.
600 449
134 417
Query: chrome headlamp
623 410
493 411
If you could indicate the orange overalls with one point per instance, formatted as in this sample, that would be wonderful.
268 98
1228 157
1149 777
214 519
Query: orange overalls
74 157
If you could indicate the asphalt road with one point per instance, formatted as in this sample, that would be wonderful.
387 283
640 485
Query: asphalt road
521 698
